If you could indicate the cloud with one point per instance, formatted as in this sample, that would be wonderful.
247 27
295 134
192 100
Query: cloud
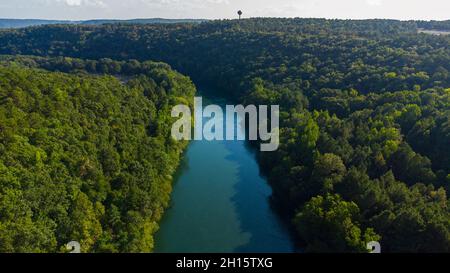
374 2
197 2
178 8
79 3
73 2
124 9
218 1
286 9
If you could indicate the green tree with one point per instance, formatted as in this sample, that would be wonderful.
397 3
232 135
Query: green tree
329 224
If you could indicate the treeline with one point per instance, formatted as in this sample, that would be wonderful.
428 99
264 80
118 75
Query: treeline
434 25
365 114
214 52
86 158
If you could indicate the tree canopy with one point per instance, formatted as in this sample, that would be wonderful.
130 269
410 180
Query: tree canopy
85 158
365 115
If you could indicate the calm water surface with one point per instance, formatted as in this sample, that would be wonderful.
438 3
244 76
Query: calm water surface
220 203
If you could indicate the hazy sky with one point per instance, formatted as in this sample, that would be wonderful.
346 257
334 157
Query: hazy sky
209 9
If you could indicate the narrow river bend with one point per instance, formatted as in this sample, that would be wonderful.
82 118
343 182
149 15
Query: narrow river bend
220 203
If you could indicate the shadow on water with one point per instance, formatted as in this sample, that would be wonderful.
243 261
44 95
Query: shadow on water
252 199
221 203
182 168
256 212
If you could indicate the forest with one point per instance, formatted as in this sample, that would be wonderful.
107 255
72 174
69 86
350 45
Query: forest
86 157
365 117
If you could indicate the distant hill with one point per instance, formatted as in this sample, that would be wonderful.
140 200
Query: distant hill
141 21
19 23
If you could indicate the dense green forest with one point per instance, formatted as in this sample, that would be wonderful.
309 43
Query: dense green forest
365 112
86 158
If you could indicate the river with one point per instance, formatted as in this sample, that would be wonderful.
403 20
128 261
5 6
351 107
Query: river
221 203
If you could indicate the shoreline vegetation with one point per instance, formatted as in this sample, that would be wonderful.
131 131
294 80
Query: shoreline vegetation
364 109
86 157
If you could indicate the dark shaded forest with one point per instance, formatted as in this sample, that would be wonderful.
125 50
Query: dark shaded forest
365 112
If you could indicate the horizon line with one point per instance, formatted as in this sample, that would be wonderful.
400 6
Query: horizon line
217 19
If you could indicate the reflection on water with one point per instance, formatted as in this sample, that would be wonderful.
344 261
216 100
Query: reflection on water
220 203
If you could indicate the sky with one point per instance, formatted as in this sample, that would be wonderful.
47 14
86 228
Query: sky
221 9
